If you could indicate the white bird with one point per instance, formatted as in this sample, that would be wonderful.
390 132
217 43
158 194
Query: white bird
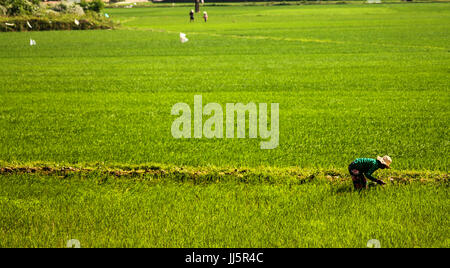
32 42
77 22
106 15
29 25
183 38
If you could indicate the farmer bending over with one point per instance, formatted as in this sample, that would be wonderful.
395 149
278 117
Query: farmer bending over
365 167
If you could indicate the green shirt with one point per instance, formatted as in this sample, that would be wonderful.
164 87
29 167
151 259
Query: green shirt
367 166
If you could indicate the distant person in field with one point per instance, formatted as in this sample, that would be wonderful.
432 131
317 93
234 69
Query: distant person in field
365 167
191 15
205 16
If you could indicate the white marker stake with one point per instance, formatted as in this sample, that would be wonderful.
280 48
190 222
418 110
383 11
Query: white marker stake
183 38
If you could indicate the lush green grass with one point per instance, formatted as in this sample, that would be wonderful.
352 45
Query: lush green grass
351 80
102 211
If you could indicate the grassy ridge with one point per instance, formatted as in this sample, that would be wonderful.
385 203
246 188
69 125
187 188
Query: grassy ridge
65 22
262 174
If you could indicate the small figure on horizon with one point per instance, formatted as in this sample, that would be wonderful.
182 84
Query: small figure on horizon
191 15
205 16
364 167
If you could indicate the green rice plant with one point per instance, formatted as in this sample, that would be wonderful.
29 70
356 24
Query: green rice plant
47 211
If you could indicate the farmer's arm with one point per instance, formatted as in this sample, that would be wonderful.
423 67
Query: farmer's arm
370 177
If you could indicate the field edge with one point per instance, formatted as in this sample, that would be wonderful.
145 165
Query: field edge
262 174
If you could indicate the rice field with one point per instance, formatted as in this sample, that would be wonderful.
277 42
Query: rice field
351 81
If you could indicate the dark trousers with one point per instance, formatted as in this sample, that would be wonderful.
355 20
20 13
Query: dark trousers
359 181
